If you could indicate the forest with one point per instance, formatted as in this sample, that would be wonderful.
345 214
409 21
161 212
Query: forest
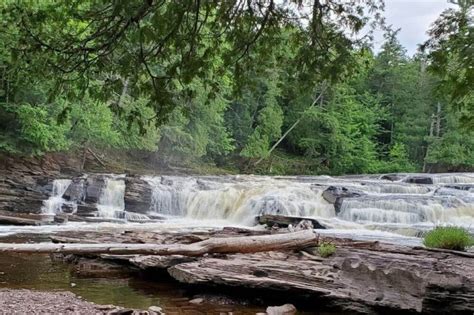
273 87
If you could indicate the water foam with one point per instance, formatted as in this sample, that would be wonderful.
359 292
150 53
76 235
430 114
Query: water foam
55 202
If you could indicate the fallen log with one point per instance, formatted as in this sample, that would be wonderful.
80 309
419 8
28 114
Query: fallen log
245 244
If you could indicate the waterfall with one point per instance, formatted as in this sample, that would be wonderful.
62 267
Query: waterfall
390 188
111 202
399 209
452 178
236 201
55 202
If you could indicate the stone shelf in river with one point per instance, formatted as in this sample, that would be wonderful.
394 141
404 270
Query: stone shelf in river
361 277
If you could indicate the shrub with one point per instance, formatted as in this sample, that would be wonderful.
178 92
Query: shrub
449 237
326 249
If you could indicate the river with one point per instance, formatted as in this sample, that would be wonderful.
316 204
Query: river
395 208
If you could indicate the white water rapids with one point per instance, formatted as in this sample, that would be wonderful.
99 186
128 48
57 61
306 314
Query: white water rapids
386 209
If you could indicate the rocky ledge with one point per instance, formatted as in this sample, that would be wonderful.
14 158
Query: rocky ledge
360 277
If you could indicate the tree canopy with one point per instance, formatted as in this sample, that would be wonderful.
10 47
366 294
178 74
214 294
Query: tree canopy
222 82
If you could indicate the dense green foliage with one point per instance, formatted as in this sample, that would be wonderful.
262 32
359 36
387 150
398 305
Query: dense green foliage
222 81
449 237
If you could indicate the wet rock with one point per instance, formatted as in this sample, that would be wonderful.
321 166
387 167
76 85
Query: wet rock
461 186
21 194
93 187
335 195
287 221
75 192
286 309
98 268
15 219
392 177
68 208
60 218
425 180
86 210
137 195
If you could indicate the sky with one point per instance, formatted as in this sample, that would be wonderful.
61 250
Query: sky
414 17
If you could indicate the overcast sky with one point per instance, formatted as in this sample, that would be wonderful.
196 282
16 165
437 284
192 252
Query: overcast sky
414 17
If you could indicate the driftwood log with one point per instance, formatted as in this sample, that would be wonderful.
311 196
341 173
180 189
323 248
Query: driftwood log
249 244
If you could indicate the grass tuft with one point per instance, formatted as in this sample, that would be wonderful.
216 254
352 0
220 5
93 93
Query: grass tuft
448 237
326 249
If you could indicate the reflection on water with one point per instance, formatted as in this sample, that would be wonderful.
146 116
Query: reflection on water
40 272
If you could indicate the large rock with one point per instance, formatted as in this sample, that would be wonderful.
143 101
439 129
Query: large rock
76 190
393 177
138 195
22 194
419 179
285 221
335 195
86 210
94 186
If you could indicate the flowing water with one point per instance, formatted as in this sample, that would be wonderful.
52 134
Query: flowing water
55 203
240 199
382 207
111 202
390 211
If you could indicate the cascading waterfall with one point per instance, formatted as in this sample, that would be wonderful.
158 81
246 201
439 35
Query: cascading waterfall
453 179
378 204
239 202
393 188
55 203
112 204
399 209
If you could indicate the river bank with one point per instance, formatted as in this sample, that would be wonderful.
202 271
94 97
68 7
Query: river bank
40 302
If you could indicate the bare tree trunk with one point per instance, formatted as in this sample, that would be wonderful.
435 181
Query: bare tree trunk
438 120
246 244
292 127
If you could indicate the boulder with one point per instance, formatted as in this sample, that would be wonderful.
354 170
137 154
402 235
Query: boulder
300 223
93 188
335 195
75 192
392 177
138 195
425 180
